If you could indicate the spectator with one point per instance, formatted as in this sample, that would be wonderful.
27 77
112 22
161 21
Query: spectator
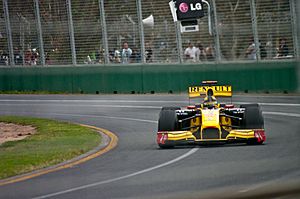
34 57
135 56
263 52
4 58
209 52
251 51
100 55
162 54
269 49
200 53
28 55
48 60
125 53
116 56
282 50
88 60
190 53
148 53
111 56
18 57
93 57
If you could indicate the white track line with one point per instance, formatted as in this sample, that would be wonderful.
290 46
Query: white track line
88 105
102 116
135 101
137 107
277 104
89 101
281 114
267 104
190 152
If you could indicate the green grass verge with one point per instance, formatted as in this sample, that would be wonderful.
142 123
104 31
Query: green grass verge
53 143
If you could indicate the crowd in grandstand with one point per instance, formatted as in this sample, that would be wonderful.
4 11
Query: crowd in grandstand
192 54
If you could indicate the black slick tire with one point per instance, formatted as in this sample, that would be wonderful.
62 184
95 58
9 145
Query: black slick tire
253 119
167 121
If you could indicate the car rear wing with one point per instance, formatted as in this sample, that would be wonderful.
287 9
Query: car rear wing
218 91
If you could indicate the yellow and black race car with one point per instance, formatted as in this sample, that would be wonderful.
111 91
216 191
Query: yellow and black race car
210 122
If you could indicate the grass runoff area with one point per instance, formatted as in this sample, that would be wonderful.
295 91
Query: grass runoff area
53 143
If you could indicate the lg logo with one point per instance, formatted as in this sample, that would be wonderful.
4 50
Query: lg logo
183 7
197 6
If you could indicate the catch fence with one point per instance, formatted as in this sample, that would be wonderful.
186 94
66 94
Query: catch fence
75 32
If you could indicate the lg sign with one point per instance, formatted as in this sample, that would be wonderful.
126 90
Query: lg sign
183 7
189 9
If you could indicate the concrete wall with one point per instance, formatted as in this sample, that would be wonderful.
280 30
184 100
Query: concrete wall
244 77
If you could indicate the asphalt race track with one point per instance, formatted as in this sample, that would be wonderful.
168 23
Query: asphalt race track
136 168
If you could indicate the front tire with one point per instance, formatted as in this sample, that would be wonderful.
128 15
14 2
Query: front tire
167 121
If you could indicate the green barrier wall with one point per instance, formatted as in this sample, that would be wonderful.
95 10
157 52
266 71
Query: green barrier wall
244 77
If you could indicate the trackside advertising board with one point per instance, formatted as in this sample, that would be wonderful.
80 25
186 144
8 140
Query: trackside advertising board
189 9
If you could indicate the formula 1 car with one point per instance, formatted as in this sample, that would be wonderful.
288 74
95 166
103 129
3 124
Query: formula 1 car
210 122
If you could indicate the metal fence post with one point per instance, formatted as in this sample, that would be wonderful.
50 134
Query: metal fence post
104 31
71 32
216 33
39 31
296 11
294 28
8 32
141 29
179 42
254 29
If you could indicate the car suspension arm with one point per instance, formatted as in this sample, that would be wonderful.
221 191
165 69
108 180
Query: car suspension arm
189 118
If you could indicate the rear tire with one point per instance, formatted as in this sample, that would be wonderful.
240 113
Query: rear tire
253 119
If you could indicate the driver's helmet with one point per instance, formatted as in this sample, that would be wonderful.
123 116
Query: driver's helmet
210 102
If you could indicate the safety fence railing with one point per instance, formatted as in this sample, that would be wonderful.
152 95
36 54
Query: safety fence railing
75 32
